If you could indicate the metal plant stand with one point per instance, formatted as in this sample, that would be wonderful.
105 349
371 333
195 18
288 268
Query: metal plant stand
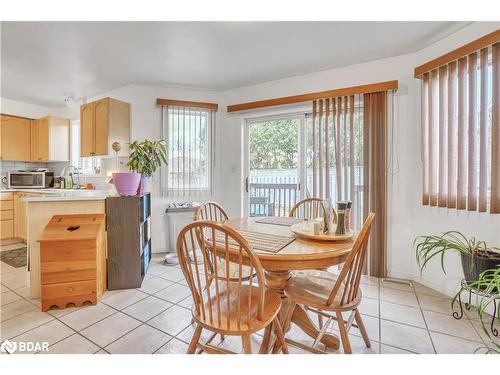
493 297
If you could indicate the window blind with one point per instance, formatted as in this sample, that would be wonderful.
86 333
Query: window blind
460 133
189 133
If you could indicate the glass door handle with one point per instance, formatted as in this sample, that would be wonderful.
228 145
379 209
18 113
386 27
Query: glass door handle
246 184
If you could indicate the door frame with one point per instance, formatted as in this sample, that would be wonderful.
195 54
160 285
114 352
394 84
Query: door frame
302 170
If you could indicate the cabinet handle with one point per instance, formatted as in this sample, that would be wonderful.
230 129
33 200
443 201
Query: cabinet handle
39 158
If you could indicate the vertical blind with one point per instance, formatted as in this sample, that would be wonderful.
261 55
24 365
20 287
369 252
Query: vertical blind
460 133
189 133
349 140
337 149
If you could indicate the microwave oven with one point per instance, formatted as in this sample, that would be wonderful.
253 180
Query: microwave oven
30 180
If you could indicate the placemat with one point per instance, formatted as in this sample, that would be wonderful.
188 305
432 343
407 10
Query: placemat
276 220
270 243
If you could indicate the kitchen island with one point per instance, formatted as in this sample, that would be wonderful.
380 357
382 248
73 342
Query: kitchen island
41 208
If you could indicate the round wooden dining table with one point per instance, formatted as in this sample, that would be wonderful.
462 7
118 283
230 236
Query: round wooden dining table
300 254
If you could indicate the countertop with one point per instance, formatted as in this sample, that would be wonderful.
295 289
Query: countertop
55 195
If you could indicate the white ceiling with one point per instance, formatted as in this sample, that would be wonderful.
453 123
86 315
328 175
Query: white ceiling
41 62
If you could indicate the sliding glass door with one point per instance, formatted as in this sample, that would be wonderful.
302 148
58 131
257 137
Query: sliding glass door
273 165
279 157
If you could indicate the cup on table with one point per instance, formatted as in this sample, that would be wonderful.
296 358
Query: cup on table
317 228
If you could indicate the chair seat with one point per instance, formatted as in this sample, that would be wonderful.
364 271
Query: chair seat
229 309
313 287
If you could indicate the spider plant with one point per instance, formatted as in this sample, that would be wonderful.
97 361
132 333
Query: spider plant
431 246
488 283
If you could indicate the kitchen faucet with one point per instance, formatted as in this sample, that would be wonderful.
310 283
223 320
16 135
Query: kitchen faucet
65 171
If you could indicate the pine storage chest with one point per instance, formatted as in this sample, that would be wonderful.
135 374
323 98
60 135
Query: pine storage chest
73 260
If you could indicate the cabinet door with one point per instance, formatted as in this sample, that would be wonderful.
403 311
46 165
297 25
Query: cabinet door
15 138
40 140
20 216
101 127
87 130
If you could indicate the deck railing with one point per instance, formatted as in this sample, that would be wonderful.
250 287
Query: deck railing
276 199
272 199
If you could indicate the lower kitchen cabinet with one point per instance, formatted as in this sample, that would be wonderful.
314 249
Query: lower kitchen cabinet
6 215
21 216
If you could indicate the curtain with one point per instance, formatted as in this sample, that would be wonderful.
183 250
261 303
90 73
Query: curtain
460 133
337 151
349 162
375 178
189 134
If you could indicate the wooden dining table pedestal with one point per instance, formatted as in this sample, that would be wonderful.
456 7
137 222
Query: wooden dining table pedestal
298 255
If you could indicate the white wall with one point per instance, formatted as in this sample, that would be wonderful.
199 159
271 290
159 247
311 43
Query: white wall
17 108
407 218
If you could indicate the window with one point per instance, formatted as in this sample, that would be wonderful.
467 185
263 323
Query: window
90 166
189 133
460 135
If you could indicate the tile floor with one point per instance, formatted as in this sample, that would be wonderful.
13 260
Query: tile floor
156 319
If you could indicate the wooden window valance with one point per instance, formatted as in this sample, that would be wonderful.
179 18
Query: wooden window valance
458 53
186 103
302 98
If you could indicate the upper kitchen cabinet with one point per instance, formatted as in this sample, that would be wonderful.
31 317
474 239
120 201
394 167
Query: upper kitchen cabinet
15 138
101 123
50 139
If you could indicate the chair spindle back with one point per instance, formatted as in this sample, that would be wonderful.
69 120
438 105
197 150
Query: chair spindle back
350 276
211 211
228 302
309 208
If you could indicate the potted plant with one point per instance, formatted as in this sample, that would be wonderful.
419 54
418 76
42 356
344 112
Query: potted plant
476 256
145 158
488 283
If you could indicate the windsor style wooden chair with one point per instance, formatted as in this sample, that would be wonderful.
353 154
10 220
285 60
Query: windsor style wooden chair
221 304
329 295
213 211
309 208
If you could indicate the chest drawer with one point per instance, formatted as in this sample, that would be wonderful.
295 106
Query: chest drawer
67 252
66 290
63 272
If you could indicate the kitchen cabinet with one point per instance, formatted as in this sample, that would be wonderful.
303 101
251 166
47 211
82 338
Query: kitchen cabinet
6 215
50 137
21 215
15 138
101 123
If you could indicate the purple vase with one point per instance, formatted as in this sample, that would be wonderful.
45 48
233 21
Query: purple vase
126 183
